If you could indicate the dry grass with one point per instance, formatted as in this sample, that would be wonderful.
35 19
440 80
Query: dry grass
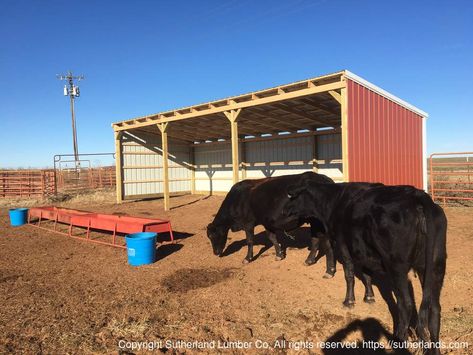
128 327
63 199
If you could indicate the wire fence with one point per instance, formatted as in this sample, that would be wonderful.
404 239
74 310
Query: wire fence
451 178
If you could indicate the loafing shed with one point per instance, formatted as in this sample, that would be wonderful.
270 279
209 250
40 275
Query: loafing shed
338 124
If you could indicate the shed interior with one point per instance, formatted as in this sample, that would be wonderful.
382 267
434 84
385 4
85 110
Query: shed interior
209 147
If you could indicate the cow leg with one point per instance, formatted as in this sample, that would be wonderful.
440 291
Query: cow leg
329 257
315 238
319 239
249 241
434 312
314 246
279 253
369 294
349 271
404 303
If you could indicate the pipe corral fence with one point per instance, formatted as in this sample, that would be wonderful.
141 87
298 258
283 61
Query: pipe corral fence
27 183
451 178
63 178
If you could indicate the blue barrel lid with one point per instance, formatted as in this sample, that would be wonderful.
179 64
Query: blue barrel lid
141 235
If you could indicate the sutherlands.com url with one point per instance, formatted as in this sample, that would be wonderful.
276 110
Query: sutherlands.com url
284 344
374 345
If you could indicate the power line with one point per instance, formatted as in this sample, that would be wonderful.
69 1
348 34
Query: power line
72 90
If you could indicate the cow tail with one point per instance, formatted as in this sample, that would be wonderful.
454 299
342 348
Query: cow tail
431 233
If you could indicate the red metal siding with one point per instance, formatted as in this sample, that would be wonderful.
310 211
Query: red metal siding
384 139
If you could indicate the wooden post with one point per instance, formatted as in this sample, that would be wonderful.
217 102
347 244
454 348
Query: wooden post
315 154
164 146
118 166
232 117
243 159
344 112
192 161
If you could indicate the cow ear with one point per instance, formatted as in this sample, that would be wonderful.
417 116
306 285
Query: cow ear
295 190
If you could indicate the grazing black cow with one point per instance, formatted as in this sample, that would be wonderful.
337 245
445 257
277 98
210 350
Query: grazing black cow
386 231
253 202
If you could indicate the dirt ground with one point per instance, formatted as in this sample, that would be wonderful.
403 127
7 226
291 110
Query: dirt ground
60 295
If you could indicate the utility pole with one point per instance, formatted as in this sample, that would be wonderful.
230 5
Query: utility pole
72 91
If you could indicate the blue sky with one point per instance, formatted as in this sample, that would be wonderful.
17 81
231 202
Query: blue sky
141 57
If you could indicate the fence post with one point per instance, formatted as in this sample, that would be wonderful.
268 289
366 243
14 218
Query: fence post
432 178
43 185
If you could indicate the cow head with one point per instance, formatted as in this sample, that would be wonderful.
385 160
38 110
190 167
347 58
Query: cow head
302 202
218 238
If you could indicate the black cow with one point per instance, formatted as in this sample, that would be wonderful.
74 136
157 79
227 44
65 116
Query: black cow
253 202
387 231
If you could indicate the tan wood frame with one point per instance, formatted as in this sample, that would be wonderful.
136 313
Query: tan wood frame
163 127
344 110
118 166
192 161
228 105
233 117
231 108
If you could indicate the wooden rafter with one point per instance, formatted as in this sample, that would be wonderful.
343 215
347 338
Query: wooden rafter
302 114
321 107
195 130
231 104
336 96
274 122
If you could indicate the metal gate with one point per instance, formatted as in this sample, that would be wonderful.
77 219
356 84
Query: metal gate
451 178
87 173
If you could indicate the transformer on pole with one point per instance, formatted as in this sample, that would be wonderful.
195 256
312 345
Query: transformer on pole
72 90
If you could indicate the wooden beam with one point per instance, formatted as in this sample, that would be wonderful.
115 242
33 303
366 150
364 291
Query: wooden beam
183 136
345 138
280 125
284 136
163 127
321 107
315 154
302 114
192 161
118 166
233 105
243 158
194 133
232 117
336 96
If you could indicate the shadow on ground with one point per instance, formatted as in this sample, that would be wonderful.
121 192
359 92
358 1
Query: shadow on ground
299 239
371 331
165 250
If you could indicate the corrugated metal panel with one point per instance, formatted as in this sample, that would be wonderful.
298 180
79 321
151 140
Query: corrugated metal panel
142 165
384 139
330 156
266 158
278 157
213 167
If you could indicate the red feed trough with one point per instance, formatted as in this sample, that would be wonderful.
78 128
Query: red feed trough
96 222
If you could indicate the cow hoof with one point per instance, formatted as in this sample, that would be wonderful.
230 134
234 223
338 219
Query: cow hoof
246 261
369 299
349 304
327 276
279 257
309 262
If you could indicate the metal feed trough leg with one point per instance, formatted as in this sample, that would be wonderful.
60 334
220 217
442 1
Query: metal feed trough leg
100 222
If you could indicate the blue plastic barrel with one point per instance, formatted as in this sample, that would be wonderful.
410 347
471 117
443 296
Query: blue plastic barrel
18 216
141 248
